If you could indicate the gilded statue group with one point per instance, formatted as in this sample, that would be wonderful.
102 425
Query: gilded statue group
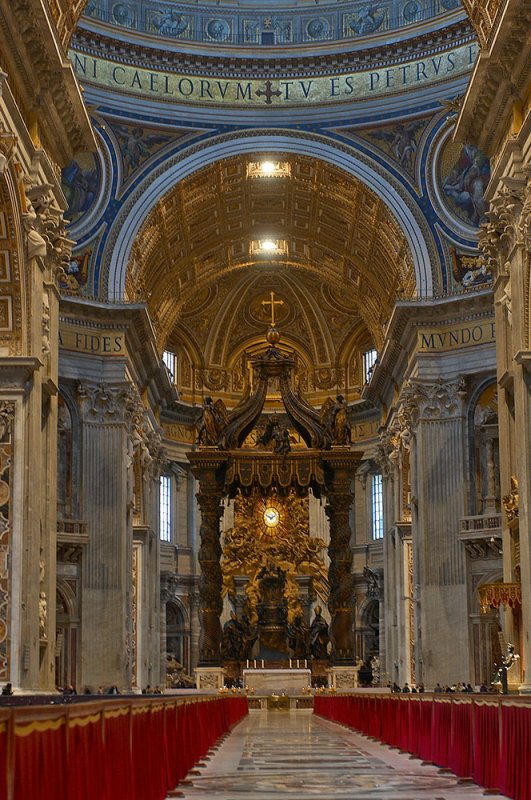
239 637
333 417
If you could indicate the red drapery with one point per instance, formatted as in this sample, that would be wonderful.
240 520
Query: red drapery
486 745
40 768
135 749
515 771
85 749
486 739
117 759
3 756
441 721
460 756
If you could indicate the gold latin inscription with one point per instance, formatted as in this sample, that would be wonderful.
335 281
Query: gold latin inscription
456 337
176 87
92 340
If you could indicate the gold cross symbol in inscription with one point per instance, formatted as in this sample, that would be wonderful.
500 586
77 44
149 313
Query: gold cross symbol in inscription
272 303
268 93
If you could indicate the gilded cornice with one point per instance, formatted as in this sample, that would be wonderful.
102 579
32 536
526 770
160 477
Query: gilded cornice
65 14
43 79
138 54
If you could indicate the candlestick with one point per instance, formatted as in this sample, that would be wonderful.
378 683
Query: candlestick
247 663
290 663
262 663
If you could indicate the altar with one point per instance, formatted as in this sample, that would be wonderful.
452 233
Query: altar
277 681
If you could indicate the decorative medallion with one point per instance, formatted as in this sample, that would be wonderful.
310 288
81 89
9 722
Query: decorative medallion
80 182
218 29
124 14
462 173
318 28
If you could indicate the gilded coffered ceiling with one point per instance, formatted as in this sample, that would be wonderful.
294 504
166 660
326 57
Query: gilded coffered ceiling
342 261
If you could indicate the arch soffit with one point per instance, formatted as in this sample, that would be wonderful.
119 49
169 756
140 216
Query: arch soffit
14 323
366 610
68 598
174 600
402 206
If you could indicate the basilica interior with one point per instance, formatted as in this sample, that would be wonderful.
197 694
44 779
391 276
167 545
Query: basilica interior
264 342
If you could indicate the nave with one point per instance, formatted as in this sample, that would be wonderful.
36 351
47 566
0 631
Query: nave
277 754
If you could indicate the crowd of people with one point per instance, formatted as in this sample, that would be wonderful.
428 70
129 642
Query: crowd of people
461 687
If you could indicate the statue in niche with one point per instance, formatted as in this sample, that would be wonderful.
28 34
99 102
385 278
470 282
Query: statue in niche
299 638
511 500
375 667
213 421
43 613
250 635
334 419
232 639
319 636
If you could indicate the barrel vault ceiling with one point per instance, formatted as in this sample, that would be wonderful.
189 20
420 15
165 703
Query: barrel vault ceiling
342 263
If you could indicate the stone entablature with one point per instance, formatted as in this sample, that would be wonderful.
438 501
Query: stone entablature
494 107
147 72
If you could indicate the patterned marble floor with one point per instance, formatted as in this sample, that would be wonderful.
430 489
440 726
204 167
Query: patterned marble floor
279 754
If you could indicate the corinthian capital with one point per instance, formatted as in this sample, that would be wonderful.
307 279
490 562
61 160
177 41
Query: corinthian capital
102 403
525 217
502 231
45 227
440 400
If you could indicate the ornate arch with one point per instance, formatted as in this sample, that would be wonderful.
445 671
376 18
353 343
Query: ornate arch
117 252
12 296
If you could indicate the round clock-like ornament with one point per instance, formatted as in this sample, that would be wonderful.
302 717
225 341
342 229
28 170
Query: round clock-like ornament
271 517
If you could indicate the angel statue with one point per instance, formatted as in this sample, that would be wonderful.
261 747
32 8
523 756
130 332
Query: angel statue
213 421
335 420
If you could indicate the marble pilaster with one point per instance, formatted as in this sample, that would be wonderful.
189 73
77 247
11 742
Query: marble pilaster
107 560
438 589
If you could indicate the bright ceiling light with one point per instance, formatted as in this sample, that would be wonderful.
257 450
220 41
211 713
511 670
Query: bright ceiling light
268 167
262 247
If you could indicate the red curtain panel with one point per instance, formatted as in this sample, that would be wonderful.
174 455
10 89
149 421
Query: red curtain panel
515 769
460 756
85 778
41 762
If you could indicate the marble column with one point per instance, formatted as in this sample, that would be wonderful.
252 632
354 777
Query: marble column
341 600
439 590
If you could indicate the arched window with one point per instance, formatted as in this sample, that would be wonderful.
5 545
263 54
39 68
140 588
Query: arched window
377 517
